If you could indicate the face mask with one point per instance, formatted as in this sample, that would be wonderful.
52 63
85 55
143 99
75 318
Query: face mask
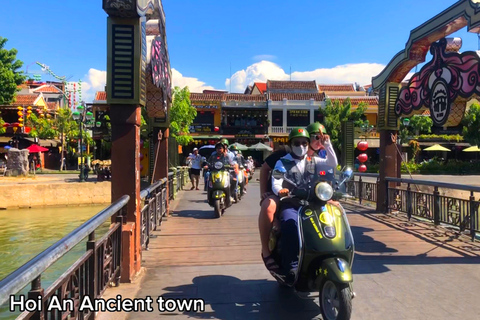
300 151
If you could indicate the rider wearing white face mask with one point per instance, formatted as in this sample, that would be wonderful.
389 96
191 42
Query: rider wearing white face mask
299 168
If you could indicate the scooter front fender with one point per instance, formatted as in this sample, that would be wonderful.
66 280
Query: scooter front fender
218 194
335 269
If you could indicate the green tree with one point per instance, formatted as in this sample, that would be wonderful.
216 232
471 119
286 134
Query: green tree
2 129
421 124
41 128
335 113
10 77
182 115
471 125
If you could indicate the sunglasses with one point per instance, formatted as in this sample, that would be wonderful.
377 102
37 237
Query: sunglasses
317 137
299 143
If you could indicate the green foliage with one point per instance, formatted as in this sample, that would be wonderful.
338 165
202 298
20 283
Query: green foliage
335 113
41 128
182 115
10 77
2 129
421 124
446 137
471 123
435 166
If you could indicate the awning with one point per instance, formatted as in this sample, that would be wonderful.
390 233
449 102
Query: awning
4 139
206 137
45 142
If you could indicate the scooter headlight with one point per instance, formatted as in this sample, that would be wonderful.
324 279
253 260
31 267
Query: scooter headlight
324 191
218 165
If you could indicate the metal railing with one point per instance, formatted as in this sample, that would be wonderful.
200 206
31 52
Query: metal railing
154 209
363 190
89 275
454 211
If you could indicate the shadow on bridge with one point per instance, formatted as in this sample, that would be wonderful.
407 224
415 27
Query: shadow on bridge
406 243
228 297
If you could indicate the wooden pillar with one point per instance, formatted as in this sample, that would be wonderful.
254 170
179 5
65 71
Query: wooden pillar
125 120
389 166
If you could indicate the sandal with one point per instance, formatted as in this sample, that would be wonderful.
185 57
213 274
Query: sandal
270 264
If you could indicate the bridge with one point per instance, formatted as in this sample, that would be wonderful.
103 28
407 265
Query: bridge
403 269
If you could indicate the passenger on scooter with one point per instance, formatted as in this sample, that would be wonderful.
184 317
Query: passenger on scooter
299 169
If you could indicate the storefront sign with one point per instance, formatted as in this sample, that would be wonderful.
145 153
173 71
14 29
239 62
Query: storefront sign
298 118
205 107
201 128
280 139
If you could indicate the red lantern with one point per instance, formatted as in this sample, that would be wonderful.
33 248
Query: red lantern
141 156
362 168
362 157
141 168
141 143
362 145
216 129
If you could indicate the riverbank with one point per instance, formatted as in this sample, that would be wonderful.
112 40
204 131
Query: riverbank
52 191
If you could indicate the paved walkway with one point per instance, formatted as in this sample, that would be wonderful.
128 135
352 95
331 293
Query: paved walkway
402 270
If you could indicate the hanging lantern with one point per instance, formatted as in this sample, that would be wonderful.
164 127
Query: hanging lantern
29 111
141 144
29 108
362 145
141 168
362 168
20 113
20 125
216 129
20 119
362 157
141 156
20 108
42 115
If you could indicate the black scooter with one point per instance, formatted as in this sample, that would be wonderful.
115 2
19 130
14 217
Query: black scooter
326 243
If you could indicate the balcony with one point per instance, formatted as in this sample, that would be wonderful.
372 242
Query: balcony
232 130
280 129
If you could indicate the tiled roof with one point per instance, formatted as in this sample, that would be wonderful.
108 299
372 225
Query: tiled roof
101 96
367 86
244 97
336 87
52 105
291 85
261 86
426 112
25 99
47 89
214 91
296 96
371 100
199 97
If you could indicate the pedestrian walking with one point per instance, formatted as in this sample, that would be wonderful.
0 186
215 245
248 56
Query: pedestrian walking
196 165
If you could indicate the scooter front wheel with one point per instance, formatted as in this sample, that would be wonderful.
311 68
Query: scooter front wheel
217 208
335 301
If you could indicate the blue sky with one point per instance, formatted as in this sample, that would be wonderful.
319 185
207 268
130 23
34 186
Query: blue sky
329 41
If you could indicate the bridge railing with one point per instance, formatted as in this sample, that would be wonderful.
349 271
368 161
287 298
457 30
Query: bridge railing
363 190
87 276
462 213
154 209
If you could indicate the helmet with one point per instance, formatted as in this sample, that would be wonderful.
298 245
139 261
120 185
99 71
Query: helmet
233 148
316 127
219 145
224 141
298 133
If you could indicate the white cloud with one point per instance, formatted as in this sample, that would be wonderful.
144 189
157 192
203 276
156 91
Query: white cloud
94 81
193 84
261 57
262 71
257 72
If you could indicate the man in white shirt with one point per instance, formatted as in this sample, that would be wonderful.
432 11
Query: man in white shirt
196 161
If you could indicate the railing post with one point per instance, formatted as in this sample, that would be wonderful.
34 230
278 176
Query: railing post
119 219
360 190
92 271
34 293
387 196
436 206
409 202
473 215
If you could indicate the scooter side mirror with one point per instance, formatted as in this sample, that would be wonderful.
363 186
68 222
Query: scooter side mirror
347 174
279 173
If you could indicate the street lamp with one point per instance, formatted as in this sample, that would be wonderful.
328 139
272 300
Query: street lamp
83 117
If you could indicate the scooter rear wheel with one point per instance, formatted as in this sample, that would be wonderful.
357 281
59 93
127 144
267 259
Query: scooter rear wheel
217 208
335 301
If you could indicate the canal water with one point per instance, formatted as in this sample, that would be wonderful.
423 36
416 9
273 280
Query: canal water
24 233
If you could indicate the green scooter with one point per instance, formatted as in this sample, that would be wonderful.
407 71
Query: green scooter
326 247
218 193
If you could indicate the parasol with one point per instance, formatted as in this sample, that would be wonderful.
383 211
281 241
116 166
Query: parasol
471 149
260 147
436 147
239 146
36 148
